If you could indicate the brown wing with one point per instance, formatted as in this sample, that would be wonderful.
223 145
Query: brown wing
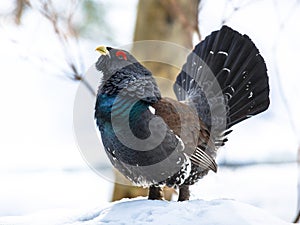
185 123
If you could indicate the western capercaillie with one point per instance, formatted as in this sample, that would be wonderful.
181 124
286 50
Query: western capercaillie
156 141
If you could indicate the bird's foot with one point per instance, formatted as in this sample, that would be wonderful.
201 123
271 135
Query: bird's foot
184 193
156 193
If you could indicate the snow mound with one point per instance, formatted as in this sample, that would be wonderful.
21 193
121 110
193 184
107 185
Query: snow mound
141 211
215 212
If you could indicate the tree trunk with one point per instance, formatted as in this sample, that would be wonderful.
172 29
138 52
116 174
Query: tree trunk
173 21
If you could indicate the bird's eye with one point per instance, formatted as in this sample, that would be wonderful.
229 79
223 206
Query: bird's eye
121 55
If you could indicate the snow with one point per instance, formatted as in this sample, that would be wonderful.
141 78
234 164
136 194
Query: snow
27 192
142 212
271 189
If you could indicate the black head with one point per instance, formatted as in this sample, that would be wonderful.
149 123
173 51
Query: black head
121 71
113 60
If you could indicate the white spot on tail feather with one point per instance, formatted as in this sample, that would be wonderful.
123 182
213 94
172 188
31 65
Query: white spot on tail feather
223 53
226 69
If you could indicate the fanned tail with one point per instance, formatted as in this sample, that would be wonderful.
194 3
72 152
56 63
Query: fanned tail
225 78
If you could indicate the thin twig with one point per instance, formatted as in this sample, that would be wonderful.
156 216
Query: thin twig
276 69
47 10
234 10
282 24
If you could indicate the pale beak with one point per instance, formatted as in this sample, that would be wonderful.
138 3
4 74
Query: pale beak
102 50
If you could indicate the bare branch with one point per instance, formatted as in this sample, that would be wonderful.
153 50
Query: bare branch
48 11
19 9
235 9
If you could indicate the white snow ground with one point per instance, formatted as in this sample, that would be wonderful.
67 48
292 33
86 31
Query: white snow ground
142 212
24 193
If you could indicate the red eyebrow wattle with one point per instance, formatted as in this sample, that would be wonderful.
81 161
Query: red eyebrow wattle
121 53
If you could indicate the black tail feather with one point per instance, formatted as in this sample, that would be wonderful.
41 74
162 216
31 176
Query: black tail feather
235 63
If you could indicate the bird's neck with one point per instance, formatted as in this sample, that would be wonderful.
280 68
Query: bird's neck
112 84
